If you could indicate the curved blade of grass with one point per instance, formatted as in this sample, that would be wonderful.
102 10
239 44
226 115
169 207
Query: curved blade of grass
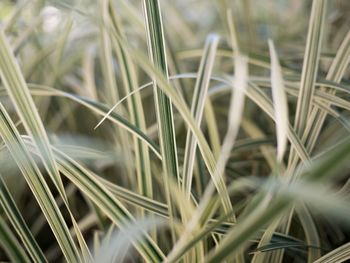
260 98
88 184
19 93
251 95
109 77
135 199
254 59
98 108
280 245
219 223
319 101
311 233
195 225
115 247
235 112
239 86
86 181
335 73
180 104
120 192
135 108
312 238
18 223
237 238
38 186
322 170
197 108
255 94
310 65
317 117
341 254
10 244
280 102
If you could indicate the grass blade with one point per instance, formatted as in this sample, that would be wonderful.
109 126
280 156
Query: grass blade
38 186
97 192
197 108
19 93
180 104
335 73
116 247
157 53
280 102
341 254
18 223
323 169
135 108
310 65
100 109
87 182
10 244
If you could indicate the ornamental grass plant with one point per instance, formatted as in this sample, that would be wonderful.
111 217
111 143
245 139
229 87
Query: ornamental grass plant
175 131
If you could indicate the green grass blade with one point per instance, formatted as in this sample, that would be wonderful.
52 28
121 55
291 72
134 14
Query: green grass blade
100 109
109 76
20 96
106 55
324 169
38 186
197 108
117 245
164 111
341 254
18 223
310 64
335 73
135 108
98 193
280 102
180 104
11 246
311 233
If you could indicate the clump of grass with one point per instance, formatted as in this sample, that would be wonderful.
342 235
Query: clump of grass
172 131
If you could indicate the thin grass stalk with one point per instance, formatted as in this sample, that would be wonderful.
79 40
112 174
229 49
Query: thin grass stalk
135 108
157 53
110 81
310 69
24 104
38 186
197 108
335 73
338 255
18 223
11 245
97 192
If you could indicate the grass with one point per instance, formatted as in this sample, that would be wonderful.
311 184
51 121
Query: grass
174 131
